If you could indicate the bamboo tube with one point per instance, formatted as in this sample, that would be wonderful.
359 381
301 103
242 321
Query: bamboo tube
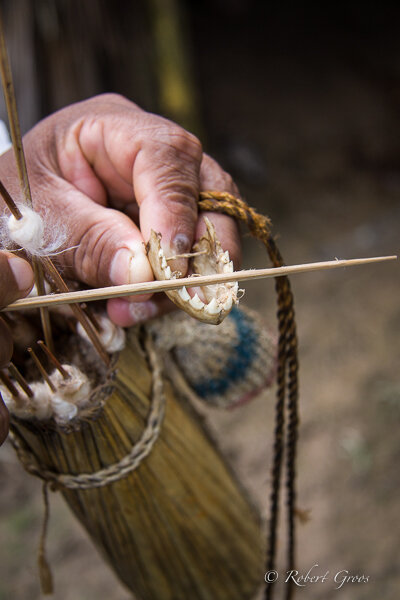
177 527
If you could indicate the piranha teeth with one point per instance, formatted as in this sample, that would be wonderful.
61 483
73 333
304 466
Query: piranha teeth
183 293
228 304
196 303
224 258
212 307
220 297
228 267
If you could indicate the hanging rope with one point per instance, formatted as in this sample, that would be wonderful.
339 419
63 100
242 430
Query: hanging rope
287 377
45 574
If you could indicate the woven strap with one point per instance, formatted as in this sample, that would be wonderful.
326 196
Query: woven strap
128 463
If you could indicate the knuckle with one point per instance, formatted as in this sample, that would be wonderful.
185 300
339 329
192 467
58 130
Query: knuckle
180 205
177 179
88 258
181 141
178 185
188 144
109 97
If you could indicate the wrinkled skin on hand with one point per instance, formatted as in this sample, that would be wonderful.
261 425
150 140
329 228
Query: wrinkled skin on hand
111 172
16 280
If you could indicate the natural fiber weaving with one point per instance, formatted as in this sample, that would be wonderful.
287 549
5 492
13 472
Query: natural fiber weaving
225 366
177 526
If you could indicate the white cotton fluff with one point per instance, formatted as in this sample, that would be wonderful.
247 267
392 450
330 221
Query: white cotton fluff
38 407
20 407
75 389
8 399
22 411
72 393
38 235
112 337
40 404
28 232
63 411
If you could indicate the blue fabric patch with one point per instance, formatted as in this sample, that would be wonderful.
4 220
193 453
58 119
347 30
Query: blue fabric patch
238 363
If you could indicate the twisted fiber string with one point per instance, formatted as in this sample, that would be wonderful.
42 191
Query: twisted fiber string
45 574
278 447
128 463
291 360
291 445
260 227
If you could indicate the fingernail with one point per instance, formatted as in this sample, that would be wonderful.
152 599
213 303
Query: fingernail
22 272
120 270
130 266
142 311
181 244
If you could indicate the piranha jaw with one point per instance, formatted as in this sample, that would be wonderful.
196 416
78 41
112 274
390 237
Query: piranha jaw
208 259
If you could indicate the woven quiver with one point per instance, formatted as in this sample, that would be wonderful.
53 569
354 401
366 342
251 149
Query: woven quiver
179 526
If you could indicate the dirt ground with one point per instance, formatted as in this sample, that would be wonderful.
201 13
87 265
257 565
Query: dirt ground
305 112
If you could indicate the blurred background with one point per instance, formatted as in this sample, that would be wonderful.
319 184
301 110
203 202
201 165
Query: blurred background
302 106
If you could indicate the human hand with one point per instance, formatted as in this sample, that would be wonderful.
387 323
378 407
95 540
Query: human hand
110 172
16 280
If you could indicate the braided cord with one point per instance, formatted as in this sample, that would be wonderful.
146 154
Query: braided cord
260 227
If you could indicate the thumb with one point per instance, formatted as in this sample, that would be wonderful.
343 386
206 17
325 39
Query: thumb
16 278
106 247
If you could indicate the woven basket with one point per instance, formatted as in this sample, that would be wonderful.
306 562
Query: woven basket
179 526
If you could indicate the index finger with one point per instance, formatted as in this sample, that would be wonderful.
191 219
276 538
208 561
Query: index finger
166 184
